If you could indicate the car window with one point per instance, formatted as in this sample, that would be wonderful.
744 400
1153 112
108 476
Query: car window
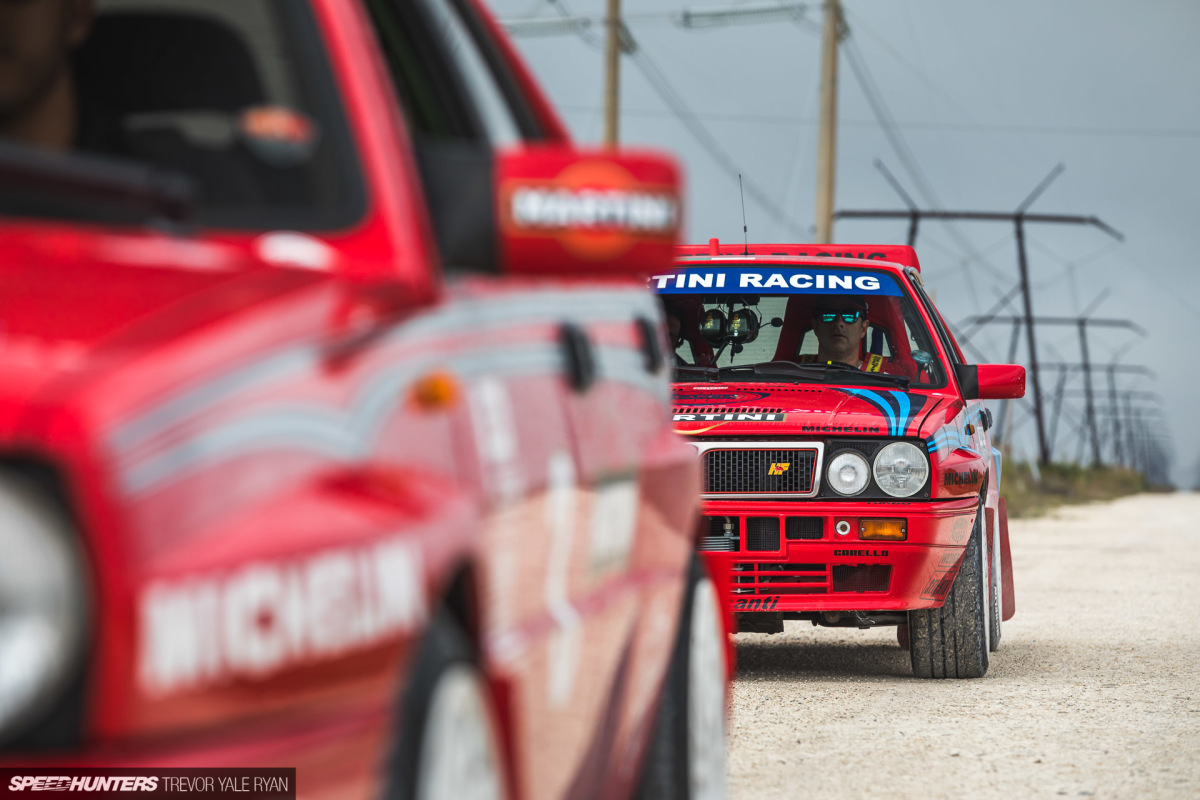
235 94
453 97
953 351
447 87
499 123
779 327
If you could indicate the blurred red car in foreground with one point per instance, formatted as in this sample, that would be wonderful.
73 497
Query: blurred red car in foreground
334 423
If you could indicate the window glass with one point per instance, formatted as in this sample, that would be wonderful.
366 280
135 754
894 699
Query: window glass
783 328
498 122
235 94
446 88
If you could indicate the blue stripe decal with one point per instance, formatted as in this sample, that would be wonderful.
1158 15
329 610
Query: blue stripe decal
948 439
898 407
884 407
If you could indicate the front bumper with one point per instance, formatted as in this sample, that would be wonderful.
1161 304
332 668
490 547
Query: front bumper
770 571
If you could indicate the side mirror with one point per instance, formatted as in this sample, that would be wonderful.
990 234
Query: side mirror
991 381
587 213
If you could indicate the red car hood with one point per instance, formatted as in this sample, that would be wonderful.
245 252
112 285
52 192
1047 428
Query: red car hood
773 409
65 322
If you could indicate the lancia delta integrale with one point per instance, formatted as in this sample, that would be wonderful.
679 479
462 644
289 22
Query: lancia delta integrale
849 477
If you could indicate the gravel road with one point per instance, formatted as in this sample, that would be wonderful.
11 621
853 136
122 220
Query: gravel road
1095 691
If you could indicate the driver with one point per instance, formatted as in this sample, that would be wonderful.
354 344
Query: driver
38 106
675 334
840 325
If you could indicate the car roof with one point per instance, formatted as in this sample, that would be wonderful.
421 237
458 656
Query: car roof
888 256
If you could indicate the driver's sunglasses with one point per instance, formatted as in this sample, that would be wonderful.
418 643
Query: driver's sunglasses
847 316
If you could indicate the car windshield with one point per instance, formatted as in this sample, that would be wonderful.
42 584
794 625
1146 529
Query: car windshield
234 94
796 324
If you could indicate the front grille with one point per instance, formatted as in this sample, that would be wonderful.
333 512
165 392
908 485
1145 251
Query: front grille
861 578
788 578
767 578
762 533
764 471
803 528
720 534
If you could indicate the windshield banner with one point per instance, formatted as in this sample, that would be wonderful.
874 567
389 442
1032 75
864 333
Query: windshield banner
775 280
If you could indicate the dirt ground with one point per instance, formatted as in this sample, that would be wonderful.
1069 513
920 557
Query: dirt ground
1095 691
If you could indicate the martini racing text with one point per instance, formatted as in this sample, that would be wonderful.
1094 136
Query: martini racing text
776 281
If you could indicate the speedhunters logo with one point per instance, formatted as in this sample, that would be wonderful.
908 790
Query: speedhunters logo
82 783
250 783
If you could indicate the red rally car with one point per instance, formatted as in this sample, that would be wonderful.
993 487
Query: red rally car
849 478
334 418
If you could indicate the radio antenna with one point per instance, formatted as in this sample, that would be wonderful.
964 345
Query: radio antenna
745 233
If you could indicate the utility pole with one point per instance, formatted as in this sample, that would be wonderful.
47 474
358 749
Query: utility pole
1018 218
827 136
1090 419
1081 323
612 74
1043 446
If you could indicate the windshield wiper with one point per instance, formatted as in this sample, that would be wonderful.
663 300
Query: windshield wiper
708 372
815 371
144 191
786 368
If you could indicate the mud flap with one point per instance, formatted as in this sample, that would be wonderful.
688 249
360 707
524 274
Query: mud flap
1006 570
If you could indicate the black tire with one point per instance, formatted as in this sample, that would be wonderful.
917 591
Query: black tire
670 767
953 641
445 654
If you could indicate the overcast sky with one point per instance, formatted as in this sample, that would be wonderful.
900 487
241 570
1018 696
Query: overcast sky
987 97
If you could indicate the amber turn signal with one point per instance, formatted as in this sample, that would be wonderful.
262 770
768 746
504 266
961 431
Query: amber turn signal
892 530
435 391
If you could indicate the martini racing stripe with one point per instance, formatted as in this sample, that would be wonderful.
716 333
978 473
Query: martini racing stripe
480 315
948 439
951 437
899 408
350 433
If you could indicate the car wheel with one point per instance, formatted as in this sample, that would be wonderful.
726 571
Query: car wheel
687 753
447 748
953 641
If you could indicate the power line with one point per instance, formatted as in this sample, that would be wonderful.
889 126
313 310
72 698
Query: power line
658 81
912 125
908 160
701 18
567 22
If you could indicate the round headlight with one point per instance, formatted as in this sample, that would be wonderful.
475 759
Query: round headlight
848 472
41 603
901 469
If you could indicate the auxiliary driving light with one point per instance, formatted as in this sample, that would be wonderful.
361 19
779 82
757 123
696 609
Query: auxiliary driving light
892 530
848 473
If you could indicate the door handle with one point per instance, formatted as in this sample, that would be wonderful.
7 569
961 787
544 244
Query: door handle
579 360
651 344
